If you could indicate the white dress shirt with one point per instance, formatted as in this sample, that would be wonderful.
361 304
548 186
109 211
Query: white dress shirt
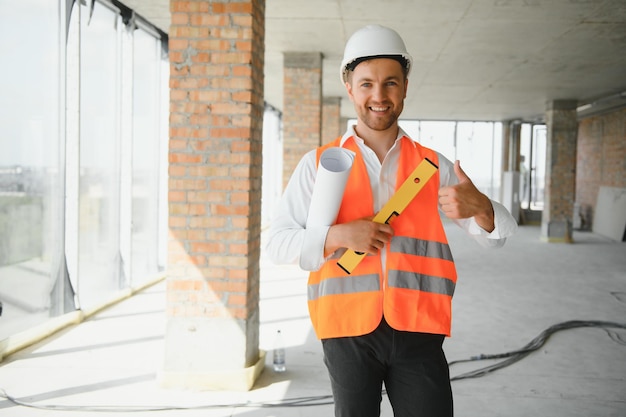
290 241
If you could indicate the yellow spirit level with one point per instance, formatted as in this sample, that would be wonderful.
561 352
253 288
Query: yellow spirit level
394 207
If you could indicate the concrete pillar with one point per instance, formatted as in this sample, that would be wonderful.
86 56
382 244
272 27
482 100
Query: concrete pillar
506 145
331 119
560 184
302 107
511 141
216 117
510 190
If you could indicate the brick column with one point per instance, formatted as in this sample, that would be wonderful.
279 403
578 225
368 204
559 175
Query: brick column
216 116
302 107
601 152
560 184
331 119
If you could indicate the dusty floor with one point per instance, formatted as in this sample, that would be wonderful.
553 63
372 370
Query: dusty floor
108 365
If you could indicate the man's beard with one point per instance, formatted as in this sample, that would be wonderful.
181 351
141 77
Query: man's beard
380 123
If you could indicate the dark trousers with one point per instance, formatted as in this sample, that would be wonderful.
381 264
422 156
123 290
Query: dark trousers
412 366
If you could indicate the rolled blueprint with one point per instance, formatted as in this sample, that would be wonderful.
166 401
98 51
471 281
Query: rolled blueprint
330 183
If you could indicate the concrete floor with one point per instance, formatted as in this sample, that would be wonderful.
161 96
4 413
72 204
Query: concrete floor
108 365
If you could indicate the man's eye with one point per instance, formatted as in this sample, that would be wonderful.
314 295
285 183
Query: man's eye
366 85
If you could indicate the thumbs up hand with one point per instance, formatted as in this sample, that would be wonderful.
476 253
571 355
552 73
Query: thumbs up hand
464 200
460 174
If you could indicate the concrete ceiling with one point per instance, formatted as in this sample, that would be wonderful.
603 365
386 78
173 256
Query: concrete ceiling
473 59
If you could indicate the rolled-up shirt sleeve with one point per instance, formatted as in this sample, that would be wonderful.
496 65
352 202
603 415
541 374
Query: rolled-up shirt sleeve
505 226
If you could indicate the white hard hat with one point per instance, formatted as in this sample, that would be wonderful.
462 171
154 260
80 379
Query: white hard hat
370 42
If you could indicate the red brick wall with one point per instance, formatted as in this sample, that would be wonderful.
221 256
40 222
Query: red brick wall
562 126
601 156
331 119
302 107
216 115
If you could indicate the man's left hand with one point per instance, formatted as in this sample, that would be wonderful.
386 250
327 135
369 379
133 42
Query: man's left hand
464 200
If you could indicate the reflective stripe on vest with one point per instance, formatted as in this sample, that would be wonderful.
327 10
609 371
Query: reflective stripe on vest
420 247
343 285
417 281
363 283
421 282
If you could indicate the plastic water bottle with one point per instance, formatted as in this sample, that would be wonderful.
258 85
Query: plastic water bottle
279 353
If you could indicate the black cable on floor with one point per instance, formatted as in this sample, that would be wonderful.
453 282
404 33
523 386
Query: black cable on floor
510 358
535 344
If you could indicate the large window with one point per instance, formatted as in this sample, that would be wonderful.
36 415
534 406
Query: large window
31 163
532 165
272 163
99 253
479 150
146 155
477 145
81 157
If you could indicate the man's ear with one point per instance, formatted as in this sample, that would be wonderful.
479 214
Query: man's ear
406 86
348 86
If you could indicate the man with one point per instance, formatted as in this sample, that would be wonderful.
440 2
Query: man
387 319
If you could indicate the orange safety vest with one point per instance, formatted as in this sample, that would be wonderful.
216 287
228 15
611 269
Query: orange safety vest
415 292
